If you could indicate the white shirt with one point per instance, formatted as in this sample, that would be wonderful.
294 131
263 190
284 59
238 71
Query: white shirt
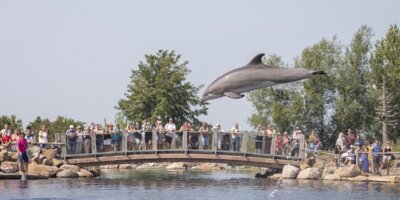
43 137
170 128
4 132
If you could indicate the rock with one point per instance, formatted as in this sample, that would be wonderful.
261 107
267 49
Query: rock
9 167
128 166
309 173
175 166
49 153
13 156
52 170
318 163
328 170
360 179
332 177
41 158
348 171
95 172
84 173
109 167
67 174
144 166
3 155
33 150
211 166
57 163
47 162
65 167
38 170
274 177
290 172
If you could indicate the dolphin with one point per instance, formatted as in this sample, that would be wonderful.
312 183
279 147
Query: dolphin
253 76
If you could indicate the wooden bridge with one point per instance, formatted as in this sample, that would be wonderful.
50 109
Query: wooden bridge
183 154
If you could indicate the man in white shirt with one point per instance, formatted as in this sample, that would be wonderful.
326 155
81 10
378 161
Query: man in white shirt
235 137
170 129
6 130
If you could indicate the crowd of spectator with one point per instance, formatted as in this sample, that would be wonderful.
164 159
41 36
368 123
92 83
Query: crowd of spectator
351 144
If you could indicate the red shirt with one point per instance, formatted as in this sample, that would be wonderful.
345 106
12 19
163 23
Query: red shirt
5 139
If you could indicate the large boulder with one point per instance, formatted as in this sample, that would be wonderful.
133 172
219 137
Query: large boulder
13 156
211 166
35 157
328 170
128 166
53 170
332 177
290 172
84 173
49 153
3 155
33 150
73 168
109 167
57 163
38 170
309 173
143 166
9 167
67 174
175 166
48 162
348 171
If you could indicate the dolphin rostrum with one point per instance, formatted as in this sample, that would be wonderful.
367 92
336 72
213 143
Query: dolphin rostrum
254 75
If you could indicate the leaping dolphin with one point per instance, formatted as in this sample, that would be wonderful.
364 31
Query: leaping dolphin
254 75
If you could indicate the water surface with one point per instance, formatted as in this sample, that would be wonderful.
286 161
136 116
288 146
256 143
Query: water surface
163 184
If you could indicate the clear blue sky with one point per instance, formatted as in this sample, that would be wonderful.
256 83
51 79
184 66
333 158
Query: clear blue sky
74 58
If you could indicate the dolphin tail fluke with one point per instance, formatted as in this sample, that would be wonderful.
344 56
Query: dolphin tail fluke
233 95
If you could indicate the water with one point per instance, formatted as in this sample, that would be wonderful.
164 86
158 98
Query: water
162 184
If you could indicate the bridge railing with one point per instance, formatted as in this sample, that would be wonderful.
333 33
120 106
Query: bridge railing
186 141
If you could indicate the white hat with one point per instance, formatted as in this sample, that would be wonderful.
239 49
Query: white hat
71 126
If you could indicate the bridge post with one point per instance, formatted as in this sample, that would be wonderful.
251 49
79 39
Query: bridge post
93 143
357 157
185 141
63 146
244 143
302 148
173 143
273 145
214 142
124 142
154 138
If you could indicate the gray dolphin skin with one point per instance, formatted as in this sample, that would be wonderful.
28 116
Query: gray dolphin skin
254 75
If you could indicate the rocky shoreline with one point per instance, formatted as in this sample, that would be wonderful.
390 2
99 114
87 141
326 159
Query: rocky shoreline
45 165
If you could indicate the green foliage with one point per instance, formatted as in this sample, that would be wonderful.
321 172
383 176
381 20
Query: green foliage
385 64
13 121
159 88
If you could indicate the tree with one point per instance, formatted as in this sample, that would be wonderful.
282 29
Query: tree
159 88
354 105
319 91
385 63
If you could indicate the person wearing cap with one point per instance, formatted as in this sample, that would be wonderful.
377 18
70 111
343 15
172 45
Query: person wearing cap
22 146
71 139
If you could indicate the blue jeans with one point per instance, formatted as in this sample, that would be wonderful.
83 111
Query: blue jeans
71 147
236 143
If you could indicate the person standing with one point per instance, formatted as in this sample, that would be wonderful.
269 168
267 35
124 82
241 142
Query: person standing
260 132
22 146
6 130
235 137
268 139
376 157
204 136
386 158
29 135
219 132
43 137
170 129
79 140
71 139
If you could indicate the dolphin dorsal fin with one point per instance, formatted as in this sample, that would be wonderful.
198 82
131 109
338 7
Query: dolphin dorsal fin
257 60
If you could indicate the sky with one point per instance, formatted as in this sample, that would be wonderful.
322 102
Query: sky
74 58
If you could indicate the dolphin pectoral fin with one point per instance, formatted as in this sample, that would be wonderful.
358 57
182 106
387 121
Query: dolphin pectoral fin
233 95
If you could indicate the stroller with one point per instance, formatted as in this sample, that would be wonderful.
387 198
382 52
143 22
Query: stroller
226 142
